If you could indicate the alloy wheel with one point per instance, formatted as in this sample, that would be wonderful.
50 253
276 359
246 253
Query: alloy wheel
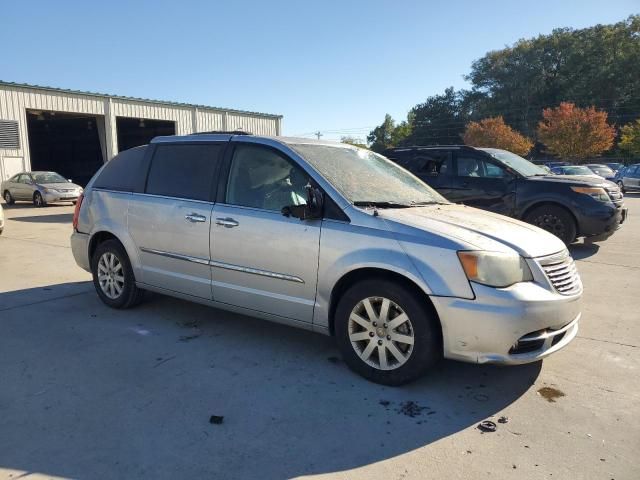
110 275
551 223
38 200
381 333
7 197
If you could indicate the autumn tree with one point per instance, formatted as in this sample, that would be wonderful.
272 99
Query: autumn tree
572 132
630 138
494 133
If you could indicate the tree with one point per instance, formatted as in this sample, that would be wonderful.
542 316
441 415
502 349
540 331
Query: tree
630 138
356 142
571 132
388 134
438 121
593 66
494 133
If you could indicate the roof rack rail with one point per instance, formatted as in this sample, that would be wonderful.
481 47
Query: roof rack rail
223 132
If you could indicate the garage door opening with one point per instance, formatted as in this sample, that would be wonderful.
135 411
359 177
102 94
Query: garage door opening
71 144
133 132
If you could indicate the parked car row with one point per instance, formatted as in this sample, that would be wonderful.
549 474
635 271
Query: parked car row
40 188
339 240
499 181
628 178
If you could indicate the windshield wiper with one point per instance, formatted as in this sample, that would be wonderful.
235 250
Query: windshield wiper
430 202
382 204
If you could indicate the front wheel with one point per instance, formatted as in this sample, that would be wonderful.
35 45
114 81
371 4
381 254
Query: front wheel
113 276
8 198
386 332
38 201
621 185
554 220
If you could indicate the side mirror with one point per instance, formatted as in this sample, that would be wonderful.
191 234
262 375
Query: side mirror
313 208
69 180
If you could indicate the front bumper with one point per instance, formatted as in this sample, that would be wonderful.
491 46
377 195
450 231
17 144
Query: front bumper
51 197
599 224
519 324
80 250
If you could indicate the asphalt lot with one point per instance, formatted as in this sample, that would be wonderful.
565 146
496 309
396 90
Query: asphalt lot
89 392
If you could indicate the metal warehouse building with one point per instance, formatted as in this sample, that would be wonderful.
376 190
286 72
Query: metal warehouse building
74 133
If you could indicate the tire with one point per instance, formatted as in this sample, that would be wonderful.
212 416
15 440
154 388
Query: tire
38 200
422 325
9 200
119 289
555 220
621 185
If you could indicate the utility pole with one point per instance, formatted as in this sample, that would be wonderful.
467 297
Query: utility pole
318 134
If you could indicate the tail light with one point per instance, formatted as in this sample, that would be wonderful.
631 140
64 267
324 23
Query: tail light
76 212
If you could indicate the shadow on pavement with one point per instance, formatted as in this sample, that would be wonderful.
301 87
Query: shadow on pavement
55 218
580 251
91 392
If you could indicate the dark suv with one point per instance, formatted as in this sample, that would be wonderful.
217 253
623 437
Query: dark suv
505 183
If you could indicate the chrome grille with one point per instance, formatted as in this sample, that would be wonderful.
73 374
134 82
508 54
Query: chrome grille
561 272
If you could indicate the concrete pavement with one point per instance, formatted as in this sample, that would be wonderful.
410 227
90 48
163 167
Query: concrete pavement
89 392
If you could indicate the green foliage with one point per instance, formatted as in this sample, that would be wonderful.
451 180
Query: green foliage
388 134
630 139
356 142
596 66
440 120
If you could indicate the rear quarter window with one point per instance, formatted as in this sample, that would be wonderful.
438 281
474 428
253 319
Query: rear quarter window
125 172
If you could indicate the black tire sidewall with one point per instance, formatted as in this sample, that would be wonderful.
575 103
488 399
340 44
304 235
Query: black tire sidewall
427 346
10 200
35 203
564 216
129 292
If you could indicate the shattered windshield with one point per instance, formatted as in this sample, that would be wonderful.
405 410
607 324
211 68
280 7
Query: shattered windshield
366 178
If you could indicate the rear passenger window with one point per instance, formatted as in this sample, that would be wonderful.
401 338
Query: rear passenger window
125 172
183 171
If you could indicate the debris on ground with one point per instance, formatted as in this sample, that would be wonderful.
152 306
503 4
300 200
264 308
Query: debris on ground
216 419
385 403
411 409
503 419
189 324
550 394
487 426
334 359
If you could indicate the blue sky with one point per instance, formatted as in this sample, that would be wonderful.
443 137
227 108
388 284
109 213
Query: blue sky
334 66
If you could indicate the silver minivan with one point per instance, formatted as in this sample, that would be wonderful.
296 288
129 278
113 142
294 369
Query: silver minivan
331 238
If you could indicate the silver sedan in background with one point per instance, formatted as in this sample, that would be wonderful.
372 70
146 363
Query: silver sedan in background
40 188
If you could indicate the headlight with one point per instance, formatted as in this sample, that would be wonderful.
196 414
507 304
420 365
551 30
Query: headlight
598 193
495 269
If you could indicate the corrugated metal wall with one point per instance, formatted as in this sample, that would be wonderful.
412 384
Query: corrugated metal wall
15 100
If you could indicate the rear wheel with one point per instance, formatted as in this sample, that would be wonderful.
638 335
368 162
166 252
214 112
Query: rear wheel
38 201
8 198
113 276
386 333
555 220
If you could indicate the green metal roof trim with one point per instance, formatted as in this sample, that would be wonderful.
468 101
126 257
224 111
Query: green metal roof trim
136 99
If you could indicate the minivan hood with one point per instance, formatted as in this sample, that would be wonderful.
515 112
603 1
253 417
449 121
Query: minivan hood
476 228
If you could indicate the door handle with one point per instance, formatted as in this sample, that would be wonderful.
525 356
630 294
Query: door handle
195 218
227 222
